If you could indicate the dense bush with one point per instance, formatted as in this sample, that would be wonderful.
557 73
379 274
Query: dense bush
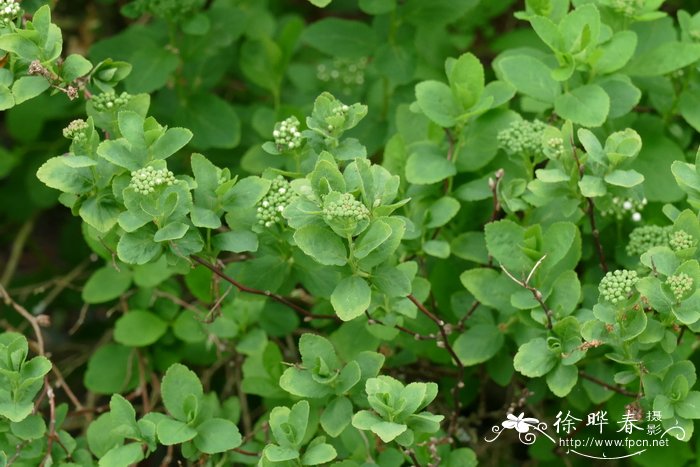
425 232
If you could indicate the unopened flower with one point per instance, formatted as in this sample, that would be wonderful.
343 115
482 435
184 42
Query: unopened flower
146 180
523 137
345 208
617 286
680 284
646 237
109 101
9 9
287 134
76 130
680 240
278 197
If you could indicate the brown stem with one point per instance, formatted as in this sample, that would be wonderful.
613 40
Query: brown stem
456 389
535 292
265 293
417 336
617 389
591 214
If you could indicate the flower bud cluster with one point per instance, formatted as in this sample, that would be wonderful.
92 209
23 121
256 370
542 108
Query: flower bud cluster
76 130
680 284
277 198
344 72
109 101
146 180
9 9
646 237
627 7
624 206
554 147
346 208
680 240
617 286
523 136
287 135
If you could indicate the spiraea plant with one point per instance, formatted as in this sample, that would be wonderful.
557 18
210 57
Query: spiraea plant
299 237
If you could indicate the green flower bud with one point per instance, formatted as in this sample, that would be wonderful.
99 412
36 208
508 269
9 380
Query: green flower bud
646 237
109 101
9 9
146 180
523 137
680 285
278 197
287 134
346 208
680 240
628 8
343 72
623 207
555 147
618 286
76 130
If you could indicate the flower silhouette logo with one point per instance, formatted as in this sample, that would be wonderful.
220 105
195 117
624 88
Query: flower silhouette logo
520 423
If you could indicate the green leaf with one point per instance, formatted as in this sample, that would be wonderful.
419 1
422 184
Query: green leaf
437 248
275 453
122 456
172 141
587 105
217 435
562 380
33 427
530 77
178 384
377 7
392 281
534 358
340 38
172 231
322 244
109 370
20 45
427 166
376 234
466 79
624 178
138 247
504 240
172 432
478 344
236 241
100 212
442 211
388 431
664 59
351 298
57 173
319 454
320 3
437 102
213 122
690 406
616 52
106 284
336 416
155 66
592 186
139 328
75 66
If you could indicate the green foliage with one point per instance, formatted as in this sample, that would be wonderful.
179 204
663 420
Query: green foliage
409 216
